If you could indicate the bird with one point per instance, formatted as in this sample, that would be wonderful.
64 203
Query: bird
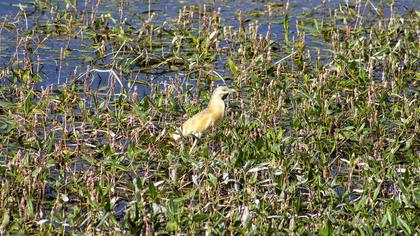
208 117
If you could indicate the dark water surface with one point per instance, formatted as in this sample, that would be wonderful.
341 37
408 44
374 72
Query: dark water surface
53 70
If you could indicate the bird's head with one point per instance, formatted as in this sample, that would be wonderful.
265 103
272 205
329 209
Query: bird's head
221 91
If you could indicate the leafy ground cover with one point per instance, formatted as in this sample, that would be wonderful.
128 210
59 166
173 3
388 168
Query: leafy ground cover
322 138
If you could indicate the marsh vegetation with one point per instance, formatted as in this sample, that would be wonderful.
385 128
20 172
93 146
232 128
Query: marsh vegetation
322 137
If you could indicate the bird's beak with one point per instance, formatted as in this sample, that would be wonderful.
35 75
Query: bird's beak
232 91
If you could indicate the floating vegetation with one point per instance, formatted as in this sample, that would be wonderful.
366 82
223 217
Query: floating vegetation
322 137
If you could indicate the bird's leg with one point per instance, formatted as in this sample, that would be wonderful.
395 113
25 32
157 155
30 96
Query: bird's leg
182 147
193 146
213 142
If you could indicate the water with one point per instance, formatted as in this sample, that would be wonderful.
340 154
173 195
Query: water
47 52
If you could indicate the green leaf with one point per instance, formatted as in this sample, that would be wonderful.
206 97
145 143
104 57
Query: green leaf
232 67
152 191
404 225
200 217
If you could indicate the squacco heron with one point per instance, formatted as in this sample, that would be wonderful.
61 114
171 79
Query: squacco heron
208 117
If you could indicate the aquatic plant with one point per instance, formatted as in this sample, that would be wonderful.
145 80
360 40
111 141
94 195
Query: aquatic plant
322 138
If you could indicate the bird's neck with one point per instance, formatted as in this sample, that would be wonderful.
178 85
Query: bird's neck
217 105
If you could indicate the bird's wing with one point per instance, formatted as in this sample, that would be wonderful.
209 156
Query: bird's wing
198 123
